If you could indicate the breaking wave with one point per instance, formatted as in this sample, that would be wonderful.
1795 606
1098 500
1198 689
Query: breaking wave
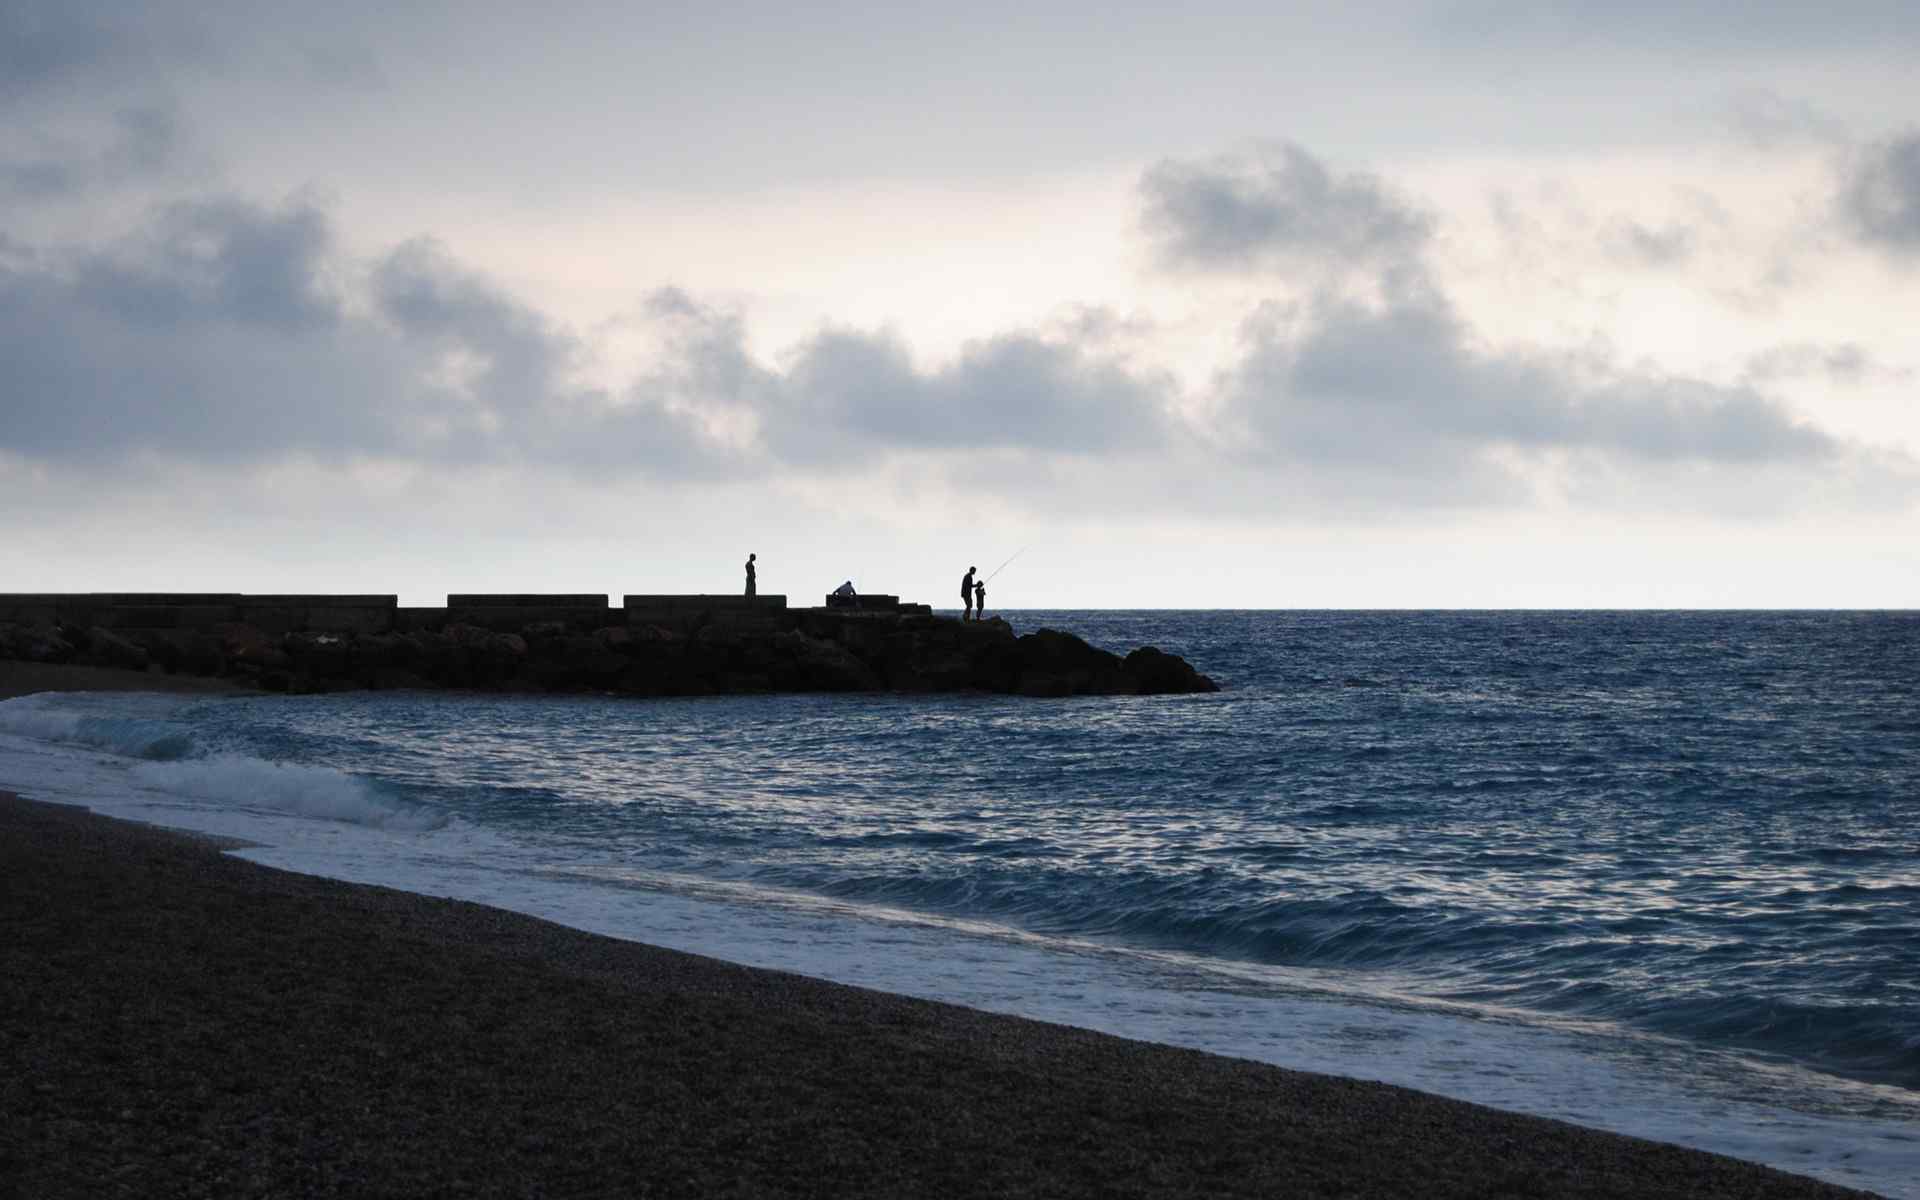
168 758
290 788
45 717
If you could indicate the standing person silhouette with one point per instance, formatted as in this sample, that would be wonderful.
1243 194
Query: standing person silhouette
980 601
966 593
752 587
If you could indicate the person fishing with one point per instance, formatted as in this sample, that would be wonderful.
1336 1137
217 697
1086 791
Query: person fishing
966 594
980 601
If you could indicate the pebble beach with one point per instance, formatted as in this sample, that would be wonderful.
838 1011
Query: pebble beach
178 1022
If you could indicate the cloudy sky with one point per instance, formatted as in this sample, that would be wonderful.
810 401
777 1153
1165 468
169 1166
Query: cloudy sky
1445 304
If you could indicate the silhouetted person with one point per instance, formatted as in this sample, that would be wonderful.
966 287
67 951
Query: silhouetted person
966 593
980 601
752 587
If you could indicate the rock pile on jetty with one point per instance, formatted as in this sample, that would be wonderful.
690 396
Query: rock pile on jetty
687 651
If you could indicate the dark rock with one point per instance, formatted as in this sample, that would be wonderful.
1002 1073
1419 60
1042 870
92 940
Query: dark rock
35 643
384 652
1155 672
815 651
801 663
1052 663
574 661
183 651
487 644
248 648
106 648
319 655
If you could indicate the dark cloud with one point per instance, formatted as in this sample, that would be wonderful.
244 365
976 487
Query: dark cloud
40 178
217 260
227 332
1768 121
1846 363
216 334
1643 246
1402 387
1098 325
515 356
1880 196
93 378
850 394
703 364
1278 207
46 43
148 139
84 100
1016 389
139 142
84 51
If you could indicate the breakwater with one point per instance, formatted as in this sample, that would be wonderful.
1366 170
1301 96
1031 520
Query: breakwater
651 645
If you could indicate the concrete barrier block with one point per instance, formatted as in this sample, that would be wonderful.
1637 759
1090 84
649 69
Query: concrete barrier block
514 618
419 619
122 616
321 600
875 602
161 599
276 619
345 619
701 603
527 600
162 616
205 616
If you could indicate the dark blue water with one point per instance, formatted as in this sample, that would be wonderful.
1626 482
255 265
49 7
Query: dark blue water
1696 824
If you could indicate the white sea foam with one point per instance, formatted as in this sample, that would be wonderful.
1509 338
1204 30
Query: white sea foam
302 791
57 717
145 728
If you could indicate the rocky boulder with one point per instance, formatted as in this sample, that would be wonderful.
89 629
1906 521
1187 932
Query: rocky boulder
1154 672
35 643
105 648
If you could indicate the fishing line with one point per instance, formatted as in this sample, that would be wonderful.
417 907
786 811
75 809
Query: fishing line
1003 566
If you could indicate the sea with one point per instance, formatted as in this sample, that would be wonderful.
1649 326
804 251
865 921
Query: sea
1651 872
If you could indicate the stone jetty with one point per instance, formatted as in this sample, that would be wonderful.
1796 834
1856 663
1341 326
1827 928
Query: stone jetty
651 645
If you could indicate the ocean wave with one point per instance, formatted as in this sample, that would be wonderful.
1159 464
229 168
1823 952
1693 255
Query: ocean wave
170 758
47 717
291 788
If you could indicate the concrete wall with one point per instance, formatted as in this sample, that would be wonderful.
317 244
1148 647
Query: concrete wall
690 612
203 610
504 612
511 612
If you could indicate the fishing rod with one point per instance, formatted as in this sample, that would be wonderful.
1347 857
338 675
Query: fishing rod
1003 566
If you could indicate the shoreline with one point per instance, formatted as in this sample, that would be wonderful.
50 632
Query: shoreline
19 678
185 1019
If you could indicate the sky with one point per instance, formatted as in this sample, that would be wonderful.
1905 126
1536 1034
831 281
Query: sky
1444 304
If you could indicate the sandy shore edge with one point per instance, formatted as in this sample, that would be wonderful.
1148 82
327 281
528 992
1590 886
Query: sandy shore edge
24 678
175 1021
